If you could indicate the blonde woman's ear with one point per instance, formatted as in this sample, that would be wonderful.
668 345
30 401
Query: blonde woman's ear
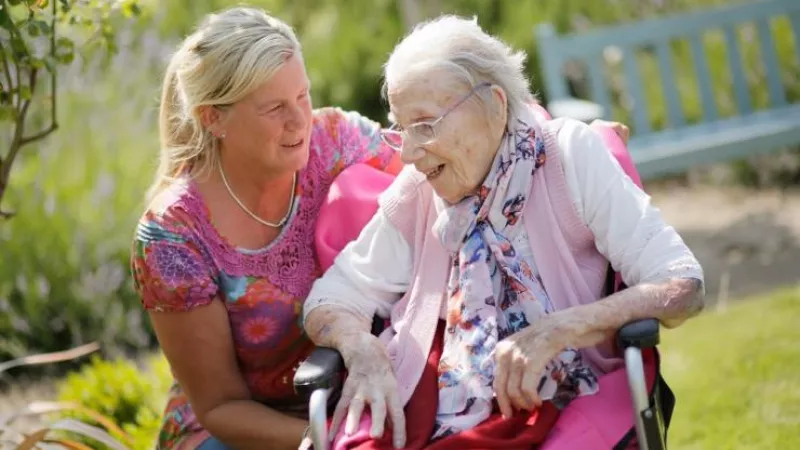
211 119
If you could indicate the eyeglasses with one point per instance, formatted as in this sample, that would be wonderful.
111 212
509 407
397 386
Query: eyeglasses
422 133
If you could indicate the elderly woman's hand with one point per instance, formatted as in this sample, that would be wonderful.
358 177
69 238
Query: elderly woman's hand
521 358
370 381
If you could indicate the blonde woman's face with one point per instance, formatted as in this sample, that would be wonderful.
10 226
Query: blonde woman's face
271 128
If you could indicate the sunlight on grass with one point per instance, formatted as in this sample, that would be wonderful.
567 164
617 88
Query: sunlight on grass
736 375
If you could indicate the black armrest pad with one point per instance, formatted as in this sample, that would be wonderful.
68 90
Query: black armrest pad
641 333
324 368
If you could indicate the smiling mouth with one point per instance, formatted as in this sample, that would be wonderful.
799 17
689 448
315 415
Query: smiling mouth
295 144
432 174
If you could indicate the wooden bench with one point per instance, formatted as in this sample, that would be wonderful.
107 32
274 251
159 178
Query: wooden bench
680 145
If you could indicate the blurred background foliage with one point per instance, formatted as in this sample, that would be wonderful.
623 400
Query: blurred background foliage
64 276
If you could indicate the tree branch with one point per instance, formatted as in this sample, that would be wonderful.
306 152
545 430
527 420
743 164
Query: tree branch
6 68
53 97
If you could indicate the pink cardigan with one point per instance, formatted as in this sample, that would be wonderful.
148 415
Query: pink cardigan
572 270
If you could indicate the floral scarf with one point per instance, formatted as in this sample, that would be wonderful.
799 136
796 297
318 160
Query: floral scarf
492 291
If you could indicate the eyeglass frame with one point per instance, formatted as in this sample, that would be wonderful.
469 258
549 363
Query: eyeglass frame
432 124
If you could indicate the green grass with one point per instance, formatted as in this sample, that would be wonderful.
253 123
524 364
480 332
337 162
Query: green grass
736 375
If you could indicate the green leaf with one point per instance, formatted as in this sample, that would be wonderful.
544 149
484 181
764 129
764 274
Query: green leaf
19 48
5 19
130 8
6 112
33 29
25 92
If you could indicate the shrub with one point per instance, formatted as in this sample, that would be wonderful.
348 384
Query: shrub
132 397
107 405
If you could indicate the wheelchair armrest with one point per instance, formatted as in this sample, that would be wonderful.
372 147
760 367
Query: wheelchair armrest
323 369
640 333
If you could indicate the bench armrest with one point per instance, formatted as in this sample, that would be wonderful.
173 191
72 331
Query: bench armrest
640 333
324 369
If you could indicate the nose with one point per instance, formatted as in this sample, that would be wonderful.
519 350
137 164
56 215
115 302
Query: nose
411 152
296 119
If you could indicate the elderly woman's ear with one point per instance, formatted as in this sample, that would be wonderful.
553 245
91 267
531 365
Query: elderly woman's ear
499 109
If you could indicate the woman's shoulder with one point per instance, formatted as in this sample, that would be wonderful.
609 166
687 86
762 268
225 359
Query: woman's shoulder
342 138
171 214
331 117
171 268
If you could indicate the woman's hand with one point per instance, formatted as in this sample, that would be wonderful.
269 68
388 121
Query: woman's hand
621 129
522 357
370 381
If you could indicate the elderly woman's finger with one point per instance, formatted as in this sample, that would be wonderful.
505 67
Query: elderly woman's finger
339 413
513 387
500 386
377 409
529 387
354 415
398 419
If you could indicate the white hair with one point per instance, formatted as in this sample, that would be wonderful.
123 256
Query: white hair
461 48
229 55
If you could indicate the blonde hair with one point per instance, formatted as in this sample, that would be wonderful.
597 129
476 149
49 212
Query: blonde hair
460 47
229 55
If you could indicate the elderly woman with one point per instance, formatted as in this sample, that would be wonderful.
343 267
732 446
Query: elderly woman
488 255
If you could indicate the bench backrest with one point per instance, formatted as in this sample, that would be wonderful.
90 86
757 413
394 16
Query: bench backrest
657 36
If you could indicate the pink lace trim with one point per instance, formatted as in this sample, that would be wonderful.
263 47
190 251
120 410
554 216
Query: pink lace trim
288 262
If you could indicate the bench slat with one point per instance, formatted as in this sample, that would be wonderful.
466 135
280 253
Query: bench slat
633 80
552 72
794 19
673 27
700 61
771 66
597 83
671 94
738 77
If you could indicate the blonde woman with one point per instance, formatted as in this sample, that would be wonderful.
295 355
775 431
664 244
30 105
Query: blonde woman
223 255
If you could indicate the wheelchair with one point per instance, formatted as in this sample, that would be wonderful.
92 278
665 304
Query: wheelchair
320 377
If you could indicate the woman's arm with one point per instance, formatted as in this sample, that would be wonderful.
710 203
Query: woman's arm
665 279
199 347
367 277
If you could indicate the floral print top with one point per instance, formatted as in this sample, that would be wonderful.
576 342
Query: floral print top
181 262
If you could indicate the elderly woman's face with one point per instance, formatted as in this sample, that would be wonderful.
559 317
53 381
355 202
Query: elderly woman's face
458 159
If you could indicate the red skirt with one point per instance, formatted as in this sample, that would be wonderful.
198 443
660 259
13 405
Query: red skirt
524 431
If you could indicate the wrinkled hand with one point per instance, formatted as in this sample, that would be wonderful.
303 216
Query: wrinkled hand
522 357
621 129
370 381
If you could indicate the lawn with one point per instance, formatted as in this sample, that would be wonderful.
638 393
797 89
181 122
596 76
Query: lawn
736 374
